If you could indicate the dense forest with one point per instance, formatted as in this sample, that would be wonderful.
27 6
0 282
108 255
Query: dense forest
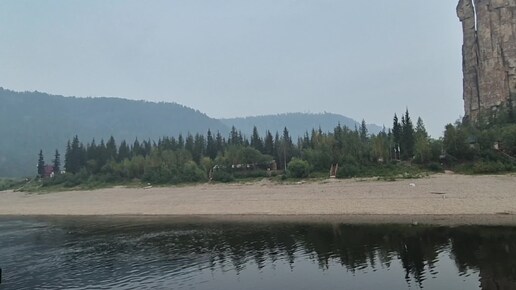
406 151
30 121
196 158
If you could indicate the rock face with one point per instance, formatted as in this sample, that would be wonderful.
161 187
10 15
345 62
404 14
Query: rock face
489 54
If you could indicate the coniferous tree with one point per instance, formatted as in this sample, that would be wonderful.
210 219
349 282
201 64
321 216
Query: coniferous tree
285 149
41 164
57 163
75 157
111 150
198 148
420 129
211 146
422 149
189 143
180 142
124 152
137 149
147 147
268 144
363 131
220 143
256 141
396 136
277 150
407 136
68 158
233 136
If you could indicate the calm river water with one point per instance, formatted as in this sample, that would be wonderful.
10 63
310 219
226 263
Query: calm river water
106 253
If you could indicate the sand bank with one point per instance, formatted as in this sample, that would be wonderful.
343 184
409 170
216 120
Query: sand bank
439 199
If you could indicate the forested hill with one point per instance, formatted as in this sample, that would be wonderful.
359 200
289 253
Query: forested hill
30 121
297 123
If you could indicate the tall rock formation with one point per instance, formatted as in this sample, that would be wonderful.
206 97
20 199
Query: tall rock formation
489 54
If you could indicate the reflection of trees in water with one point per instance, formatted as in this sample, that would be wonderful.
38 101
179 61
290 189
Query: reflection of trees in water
491 251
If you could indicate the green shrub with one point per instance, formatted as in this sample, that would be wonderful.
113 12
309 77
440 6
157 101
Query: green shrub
435 167
488 167
348 170
6 184
298 168
251 174
222 176
192 173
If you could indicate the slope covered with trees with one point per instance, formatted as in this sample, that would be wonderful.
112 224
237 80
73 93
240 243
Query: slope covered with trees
198 158
297 123
30 121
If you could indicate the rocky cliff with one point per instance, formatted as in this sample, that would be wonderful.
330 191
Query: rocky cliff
489 54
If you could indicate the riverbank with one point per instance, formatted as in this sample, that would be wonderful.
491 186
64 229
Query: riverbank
438 199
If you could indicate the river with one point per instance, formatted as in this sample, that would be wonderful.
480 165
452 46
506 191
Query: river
119 253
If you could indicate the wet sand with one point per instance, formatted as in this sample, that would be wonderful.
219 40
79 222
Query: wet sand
447 199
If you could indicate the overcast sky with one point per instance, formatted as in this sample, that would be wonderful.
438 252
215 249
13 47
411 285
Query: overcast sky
229 58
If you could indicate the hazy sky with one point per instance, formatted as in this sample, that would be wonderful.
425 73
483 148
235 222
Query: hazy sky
362 59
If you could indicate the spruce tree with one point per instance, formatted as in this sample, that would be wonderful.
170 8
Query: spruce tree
57 163
41 164
220 143
137 149
68 157
111 150
268 144
124 152
256 141
189 143
420 129
211 146
407 136
363 131
396 136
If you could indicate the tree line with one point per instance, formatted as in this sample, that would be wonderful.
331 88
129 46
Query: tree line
194 158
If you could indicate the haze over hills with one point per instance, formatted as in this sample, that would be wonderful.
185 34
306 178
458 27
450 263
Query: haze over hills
297 123
30 121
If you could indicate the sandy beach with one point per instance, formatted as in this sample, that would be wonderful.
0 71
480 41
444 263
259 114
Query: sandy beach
439 199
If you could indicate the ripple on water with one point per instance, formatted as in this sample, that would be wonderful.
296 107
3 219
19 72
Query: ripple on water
118 255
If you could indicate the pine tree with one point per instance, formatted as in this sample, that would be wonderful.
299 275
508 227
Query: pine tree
124 152
233 136
396 136
407 136
256 141
276 149
420 129
180 142
41 164
285 150
77 156
211 146
57 163
68 157
198 148
189 143
363 131
269 144
422 149
137 148
220 143
111 150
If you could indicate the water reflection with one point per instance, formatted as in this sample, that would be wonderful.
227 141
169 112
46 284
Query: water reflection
73 254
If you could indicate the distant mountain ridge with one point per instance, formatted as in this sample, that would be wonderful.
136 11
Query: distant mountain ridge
30 121
296 123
